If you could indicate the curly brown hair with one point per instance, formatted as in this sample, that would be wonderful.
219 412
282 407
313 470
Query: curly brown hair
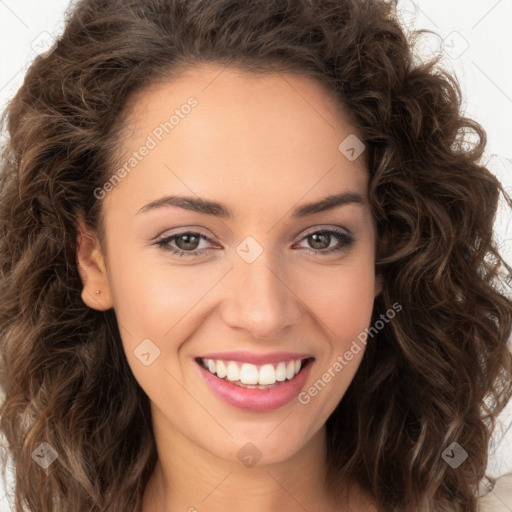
440 372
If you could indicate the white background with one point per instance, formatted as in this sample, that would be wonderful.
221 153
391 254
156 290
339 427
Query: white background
474 35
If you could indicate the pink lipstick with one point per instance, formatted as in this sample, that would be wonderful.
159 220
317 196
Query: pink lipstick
255 382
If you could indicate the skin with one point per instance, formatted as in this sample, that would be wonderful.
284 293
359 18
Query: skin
262 145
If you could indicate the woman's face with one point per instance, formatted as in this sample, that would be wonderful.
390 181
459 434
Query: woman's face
262 280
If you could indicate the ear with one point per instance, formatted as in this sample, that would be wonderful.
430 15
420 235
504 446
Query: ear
92 270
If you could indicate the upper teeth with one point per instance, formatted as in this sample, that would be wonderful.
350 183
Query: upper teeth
248 373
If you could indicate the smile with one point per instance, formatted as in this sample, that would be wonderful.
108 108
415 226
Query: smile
255 387
252 375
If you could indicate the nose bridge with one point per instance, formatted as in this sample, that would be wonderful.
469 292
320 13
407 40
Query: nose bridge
260 300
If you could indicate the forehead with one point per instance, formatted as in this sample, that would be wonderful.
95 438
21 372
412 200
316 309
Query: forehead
240 102
220 84
246 132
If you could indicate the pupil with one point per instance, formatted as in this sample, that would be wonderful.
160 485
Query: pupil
187 242
314 240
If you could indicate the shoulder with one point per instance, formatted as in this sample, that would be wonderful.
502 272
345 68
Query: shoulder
499 499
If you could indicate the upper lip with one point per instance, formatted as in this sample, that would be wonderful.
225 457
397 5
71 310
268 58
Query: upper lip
255 358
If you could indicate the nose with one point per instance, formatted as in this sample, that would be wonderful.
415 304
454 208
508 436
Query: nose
260 299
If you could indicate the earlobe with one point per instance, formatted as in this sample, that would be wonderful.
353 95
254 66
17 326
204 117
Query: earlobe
92 269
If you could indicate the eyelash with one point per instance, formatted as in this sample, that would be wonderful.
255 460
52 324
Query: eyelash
346 239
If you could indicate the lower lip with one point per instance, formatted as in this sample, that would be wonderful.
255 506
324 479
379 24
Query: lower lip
256 399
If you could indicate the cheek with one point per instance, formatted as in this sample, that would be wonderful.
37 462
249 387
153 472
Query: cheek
343 300
151 305
152 298
158 303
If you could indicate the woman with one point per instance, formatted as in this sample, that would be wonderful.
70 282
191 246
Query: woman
242 266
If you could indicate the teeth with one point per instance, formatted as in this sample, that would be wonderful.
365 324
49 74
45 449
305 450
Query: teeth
290 370
251 375
281 372
250 386
267 375
221 368
233 372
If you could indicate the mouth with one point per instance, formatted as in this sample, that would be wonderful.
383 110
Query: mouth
251 376
255 387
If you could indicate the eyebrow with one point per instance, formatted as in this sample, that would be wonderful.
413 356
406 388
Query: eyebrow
217 209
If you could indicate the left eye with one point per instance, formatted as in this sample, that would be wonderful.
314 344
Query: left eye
186 243
320 240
